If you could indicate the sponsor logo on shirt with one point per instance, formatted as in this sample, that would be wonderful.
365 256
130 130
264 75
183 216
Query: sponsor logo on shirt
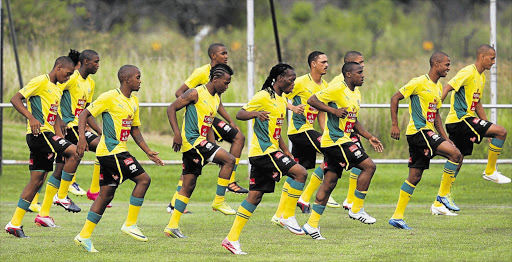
278 155
203 142
128 161
353 148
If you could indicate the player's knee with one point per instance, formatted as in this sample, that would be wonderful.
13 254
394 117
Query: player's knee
230 161
239 138
300 173
456 156
145 180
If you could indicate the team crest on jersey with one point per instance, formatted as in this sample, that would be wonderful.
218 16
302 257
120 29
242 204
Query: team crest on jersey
128 161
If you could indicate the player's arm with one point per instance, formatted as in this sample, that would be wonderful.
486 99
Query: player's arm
139 140
222 111
245 115
17 103
339 112
62 127
480 112
321 120
438 124
92 123
395 129
183 88
446 89
190 96
284 148
298 109
82 146
374 141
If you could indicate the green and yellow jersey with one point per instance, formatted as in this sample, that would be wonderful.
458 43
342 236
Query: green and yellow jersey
303 89
43 99
266 133
198 118
200 76
469 86
119 114
337 95
77 92
425 99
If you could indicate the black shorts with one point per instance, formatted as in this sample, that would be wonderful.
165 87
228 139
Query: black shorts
223 131
422 147
466 132
344 156
268 169
43 149
305 147
115 169
356 139
197 157
72 136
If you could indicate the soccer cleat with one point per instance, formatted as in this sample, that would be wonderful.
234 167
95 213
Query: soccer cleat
275 221
313 232
332 203
66 203
15 231
442 210
46 221
224 208
233 246
134 232
85 243
447 203
233 187
292 225
34 208
362 216
399 223
75 189
173 232
170 209
93 196
347 205
304 207
497 177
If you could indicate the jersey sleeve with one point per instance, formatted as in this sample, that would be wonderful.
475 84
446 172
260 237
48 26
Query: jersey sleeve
91 94
100 105
461 78
198 77
409 89
329 94
256 102
299 87
32 88
136 119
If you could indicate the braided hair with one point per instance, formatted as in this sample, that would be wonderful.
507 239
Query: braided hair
277 70
219 70
74 55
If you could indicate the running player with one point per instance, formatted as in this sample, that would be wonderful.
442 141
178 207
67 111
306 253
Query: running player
120 113
268 162
202 104
44 140
341 101
229 132
425 100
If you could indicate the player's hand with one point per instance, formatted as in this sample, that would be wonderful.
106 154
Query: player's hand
262 115
377 145
176 143
35 126
81 147
341 112
233 125
153 156
299 109
395 132
289 154
63 128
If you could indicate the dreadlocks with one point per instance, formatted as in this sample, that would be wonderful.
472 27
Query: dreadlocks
219 70
74 55
277 70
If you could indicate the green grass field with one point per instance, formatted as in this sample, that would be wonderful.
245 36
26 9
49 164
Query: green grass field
481 232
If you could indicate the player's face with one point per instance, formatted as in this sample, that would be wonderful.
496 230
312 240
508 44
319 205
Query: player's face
357 76
321 64
221 55
444 67
93 64
134 81
489 59
288 81
64 72
359 60
221 84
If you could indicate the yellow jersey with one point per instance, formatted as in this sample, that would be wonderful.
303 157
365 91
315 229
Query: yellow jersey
43 99
119 114
77 92
266 133
200 76
425 99
469 86
303 89
337 79
337 95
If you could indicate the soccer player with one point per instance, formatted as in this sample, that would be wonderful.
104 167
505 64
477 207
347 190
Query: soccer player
202 104
229 132
425 100
465 128
44 141
119 109
341 101
268 162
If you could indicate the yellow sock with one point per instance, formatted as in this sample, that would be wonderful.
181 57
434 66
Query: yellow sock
95 182
65 181
245 212
450 168
290 200
405 195
36 198
222 184
317 212
52 186
179 208
313 185
494 152
92 220
20 212
73 180
358 200
280 207
133 210
173 200
352 184
232 179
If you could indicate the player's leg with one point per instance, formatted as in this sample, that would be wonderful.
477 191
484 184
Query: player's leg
498 134
352 184
189 184
314 183
406 191
52 187
299 175
227 163
454 158
34 205
357 212
130 227
68 172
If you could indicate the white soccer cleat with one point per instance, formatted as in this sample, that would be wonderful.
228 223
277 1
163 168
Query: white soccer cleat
362 216
292 225
233 246
497 177
46 221
442 210
332 203
313 232
275 221
346 205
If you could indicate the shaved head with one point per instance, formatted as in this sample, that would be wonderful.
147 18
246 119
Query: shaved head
437 57
484 49
87 54
126 71
64 61
212 49
349 67
350 56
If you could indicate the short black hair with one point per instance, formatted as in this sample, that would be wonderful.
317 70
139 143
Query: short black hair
213 48
87 54
436 57
124 71
314 56
349 67
483 49
350 56
64 61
